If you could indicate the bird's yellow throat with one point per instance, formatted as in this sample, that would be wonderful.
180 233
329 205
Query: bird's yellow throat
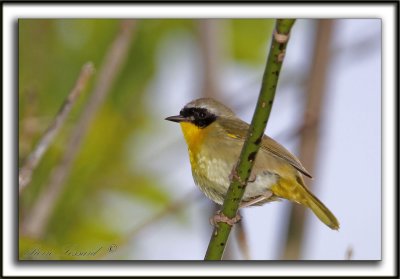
194 136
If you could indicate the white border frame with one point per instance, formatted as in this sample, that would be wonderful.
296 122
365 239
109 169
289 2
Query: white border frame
11 12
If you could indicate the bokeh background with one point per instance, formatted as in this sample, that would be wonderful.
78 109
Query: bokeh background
128 192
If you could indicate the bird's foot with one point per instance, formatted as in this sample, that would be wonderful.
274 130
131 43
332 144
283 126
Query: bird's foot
222 218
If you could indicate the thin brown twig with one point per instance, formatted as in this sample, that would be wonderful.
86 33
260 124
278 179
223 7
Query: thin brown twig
242 240
35 223
210 51
33 159
349 253
310 132
171 208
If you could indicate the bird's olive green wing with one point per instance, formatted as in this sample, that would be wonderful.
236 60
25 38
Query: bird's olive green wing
237 129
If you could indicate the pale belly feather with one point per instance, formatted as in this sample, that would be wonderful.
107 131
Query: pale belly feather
211 175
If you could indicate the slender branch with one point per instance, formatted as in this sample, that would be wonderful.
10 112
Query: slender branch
210 49
36 155
349 253
36 222
242 241
310 132
174 207
251 145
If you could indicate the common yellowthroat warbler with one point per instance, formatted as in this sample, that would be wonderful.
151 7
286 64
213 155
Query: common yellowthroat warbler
215 137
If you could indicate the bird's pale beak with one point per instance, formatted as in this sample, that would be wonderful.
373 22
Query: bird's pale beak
176 118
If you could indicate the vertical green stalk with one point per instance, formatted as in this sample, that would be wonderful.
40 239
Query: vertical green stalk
252 143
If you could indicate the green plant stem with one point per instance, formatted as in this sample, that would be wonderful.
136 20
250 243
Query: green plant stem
251 145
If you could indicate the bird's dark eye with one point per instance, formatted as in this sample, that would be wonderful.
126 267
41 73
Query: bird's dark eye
200 117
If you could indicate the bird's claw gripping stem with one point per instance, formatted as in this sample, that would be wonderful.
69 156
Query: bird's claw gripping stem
222 218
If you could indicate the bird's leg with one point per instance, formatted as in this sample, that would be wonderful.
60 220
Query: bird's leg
252 178
251 202
221 217
265 196
233 174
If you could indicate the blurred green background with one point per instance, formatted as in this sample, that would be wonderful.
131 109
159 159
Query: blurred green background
130 194
51 54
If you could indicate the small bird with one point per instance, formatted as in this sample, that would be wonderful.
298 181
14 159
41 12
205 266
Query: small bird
215 136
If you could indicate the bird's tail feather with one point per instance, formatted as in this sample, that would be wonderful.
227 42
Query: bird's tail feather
321 211
299 193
